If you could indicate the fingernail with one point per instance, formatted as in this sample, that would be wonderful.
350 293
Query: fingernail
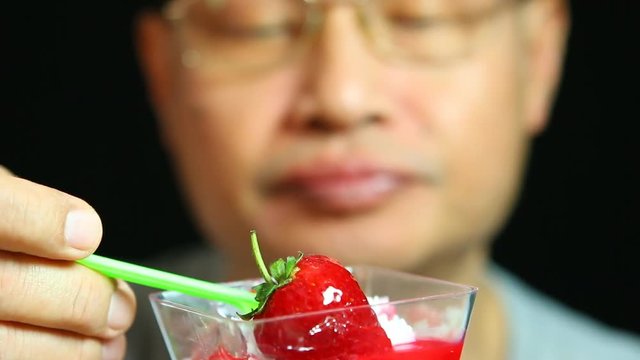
118 318
114 349
82 229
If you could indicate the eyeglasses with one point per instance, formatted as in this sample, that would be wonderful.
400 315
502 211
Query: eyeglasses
249 35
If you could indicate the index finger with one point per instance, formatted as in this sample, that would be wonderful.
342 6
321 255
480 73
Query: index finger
41 221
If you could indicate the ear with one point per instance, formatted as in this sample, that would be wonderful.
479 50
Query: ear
154 50
546 29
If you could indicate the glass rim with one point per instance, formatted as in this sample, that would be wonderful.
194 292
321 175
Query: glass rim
463 291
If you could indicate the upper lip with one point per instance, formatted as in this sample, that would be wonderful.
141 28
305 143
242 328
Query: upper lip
345 171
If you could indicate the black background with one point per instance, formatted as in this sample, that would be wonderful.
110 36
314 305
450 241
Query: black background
74 116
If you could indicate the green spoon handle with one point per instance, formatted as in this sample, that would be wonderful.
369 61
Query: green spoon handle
241 299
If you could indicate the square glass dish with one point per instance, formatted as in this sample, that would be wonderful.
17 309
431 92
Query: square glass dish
424 318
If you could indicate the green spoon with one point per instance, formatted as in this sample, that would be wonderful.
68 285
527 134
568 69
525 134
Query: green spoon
241 299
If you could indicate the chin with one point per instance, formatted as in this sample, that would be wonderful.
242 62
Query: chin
350 241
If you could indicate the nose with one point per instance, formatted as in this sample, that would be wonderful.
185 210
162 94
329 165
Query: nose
342 80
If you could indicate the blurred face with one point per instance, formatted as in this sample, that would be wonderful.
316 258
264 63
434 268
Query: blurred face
345 149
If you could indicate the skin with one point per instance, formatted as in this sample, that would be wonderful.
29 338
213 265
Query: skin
458 134
51 308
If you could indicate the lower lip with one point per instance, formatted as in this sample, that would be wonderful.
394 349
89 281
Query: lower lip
353 192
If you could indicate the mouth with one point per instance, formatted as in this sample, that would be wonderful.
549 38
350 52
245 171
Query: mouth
340 188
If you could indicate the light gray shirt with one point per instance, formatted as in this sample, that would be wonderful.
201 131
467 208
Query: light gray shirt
541 328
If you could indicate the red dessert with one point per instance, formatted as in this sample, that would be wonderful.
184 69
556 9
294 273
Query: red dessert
311 284
337 321
419 350
308 284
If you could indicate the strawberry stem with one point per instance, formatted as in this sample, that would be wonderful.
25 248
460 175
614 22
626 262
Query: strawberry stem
279 274
258 256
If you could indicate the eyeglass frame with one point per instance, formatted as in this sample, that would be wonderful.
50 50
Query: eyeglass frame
173 11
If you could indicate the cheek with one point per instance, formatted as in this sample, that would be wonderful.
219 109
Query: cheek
471 114
486 148
219 133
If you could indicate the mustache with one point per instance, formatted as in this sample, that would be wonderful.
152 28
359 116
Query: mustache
345 152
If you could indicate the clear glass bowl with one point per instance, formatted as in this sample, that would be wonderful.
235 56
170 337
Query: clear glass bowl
424 318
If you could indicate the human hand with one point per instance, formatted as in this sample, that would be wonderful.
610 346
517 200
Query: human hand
51 307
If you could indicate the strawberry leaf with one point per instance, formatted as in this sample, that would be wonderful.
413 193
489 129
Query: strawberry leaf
291 263
278 270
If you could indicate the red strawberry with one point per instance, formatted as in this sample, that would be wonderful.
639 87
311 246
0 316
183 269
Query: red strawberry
221 354
318 284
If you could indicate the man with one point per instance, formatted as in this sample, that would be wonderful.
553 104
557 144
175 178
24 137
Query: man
388 132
